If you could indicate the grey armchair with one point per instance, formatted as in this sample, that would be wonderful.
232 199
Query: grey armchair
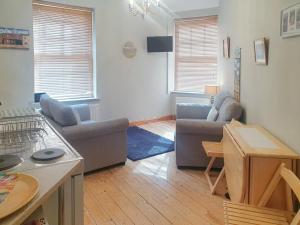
193 126
101 144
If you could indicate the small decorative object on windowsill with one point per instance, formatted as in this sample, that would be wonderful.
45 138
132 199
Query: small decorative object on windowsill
212 90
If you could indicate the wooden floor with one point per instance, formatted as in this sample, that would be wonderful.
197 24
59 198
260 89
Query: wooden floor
151 191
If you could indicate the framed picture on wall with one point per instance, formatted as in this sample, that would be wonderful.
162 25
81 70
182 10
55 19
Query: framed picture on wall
261 51
14 38
290 21
226 48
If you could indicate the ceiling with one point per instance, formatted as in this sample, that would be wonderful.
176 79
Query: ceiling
188 5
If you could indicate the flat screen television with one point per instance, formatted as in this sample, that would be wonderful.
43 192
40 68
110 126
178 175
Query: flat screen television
160 44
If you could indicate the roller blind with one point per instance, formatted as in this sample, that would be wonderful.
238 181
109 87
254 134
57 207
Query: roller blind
63 51
196 53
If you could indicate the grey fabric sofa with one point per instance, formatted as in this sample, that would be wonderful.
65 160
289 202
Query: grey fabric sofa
101 144
195 123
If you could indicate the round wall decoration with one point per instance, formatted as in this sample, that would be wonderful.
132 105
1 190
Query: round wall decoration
129 50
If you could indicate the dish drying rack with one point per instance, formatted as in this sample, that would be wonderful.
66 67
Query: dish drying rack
20 129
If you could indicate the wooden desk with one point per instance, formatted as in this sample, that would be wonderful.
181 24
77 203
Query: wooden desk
213 150
251 156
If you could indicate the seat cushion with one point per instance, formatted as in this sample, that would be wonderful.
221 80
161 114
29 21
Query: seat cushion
219 99
62 114
229 110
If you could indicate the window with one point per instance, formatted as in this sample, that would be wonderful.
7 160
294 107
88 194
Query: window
63 51
196 53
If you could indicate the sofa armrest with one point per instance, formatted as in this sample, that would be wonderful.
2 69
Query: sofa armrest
83 110
192 111
93 129
199 127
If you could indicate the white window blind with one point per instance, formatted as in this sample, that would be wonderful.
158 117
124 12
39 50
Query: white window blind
196 53
63 51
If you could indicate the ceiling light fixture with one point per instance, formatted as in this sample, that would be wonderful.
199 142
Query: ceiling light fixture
147 4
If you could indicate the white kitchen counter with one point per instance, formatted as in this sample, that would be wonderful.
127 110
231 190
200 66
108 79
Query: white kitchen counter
65 179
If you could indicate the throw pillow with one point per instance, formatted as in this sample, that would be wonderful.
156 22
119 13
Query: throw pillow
220 98
230 109
213 114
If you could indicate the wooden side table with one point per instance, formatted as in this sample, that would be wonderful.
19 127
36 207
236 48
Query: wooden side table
213 150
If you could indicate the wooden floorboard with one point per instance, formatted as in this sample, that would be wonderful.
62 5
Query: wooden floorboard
151 191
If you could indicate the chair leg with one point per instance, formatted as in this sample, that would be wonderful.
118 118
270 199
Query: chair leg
209 166
213 186
213 190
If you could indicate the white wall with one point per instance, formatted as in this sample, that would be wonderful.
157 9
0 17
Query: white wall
16 66
187 5
270 94
197 13
134 88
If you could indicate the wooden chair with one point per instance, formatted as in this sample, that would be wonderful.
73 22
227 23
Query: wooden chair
242 214
213 150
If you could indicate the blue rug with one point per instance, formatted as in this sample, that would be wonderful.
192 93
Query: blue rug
144 144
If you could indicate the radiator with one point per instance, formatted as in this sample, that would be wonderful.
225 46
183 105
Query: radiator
188 99
95 111
199 100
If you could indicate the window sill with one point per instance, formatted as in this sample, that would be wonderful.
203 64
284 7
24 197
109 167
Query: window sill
81 101
192 94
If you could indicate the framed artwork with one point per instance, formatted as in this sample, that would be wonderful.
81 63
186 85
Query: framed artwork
290 21
14 38
261 51
226 48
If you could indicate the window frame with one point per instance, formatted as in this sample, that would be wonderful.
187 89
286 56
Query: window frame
174 89
94 96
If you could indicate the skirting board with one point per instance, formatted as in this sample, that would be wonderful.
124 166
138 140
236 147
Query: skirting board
164 118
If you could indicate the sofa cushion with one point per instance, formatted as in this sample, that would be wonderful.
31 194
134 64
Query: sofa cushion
192 111
213 114
90 129
62 114
229 110
199 127
44 103
219 99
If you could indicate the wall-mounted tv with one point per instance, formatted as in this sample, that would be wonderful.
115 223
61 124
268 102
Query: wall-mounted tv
160 44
